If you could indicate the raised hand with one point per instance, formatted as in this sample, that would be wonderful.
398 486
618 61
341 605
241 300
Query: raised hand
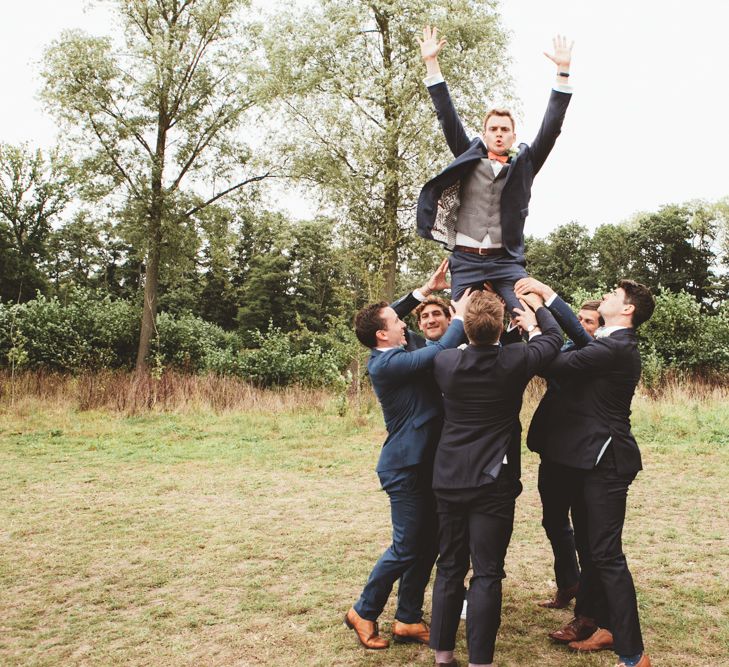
430 45
562 55
524 318
533 300
526 285
437 281
459 307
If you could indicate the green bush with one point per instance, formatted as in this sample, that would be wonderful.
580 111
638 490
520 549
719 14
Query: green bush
86 333
684 338
191 344
312 360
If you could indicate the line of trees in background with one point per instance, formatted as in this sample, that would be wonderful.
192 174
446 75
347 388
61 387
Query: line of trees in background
273 301
145 239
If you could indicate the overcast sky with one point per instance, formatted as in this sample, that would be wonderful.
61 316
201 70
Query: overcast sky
647 124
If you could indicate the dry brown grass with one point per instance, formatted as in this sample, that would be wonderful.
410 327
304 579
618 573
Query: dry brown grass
193 539
130 393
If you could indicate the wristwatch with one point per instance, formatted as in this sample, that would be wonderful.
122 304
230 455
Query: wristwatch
531 328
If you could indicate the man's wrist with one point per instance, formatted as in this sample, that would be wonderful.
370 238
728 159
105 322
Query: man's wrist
432 66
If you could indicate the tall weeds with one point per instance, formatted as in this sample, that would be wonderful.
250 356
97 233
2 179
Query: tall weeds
172 391
132 393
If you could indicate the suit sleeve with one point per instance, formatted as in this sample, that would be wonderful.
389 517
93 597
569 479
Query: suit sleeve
550 128
598 355
449 120
405 305
568 321
402 363
541 350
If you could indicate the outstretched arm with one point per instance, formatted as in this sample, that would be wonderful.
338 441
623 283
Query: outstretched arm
558 101
455 134
561 311
400 364
438 281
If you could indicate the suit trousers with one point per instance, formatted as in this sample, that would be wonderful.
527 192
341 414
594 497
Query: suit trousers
607 593
475 523
414 548
559 488
470 270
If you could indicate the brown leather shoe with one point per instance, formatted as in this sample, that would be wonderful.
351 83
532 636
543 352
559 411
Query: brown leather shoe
577 629
645 661
367 631
452 663
597 641
411 633
561 598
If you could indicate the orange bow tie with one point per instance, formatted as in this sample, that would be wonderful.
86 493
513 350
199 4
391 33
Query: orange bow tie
501 158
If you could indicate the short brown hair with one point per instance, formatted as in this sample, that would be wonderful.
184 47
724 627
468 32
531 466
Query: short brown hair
639 296
499 112
484 319
434 301
594 304
368 321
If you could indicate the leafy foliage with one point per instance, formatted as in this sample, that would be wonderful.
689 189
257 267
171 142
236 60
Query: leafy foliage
349 76
91 332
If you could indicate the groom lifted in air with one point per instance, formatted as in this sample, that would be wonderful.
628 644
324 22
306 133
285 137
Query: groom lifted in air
477 205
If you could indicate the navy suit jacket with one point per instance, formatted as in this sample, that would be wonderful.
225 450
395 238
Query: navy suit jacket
592 405
410 399
482 393
518 187
578 338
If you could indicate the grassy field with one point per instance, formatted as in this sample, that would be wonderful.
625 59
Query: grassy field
241 538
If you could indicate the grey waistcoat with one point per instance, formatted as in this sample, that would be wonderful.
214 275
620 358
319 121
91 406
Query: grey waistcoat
480 209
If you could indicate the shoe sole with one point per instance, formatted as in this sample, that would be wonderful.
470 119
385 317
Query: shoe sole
348 624
399 639
589 650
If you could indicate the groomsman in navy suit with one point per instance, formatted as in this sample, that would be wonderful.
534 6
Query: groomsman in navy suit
586 431
555 491
477 205
412 408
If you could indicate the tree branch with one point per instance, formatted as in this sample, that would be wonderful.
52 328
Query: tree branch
232 188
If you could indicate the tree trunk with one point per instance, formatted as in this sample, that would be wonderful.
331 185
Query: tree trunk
154 251
391 194
149 309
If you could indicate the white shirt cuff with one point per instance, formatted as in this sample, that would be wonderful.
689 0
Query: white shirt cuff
550 300
534 334
562 88
433 79
418 295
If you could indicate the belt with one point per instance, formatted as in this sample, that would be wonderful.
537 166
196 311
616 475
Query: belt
480 251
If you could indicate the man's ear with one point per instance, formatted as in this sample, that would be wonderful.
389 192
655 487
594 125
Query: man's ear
628 309
380 334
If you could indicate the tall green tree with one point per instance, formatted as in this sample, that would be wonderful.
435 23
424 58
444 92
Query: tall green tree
34 190
317 285
159 111
360 126
77 253
673 248
564 260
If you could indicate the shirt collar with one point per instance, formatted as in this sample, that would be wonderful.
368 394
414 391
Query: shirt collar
604 332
